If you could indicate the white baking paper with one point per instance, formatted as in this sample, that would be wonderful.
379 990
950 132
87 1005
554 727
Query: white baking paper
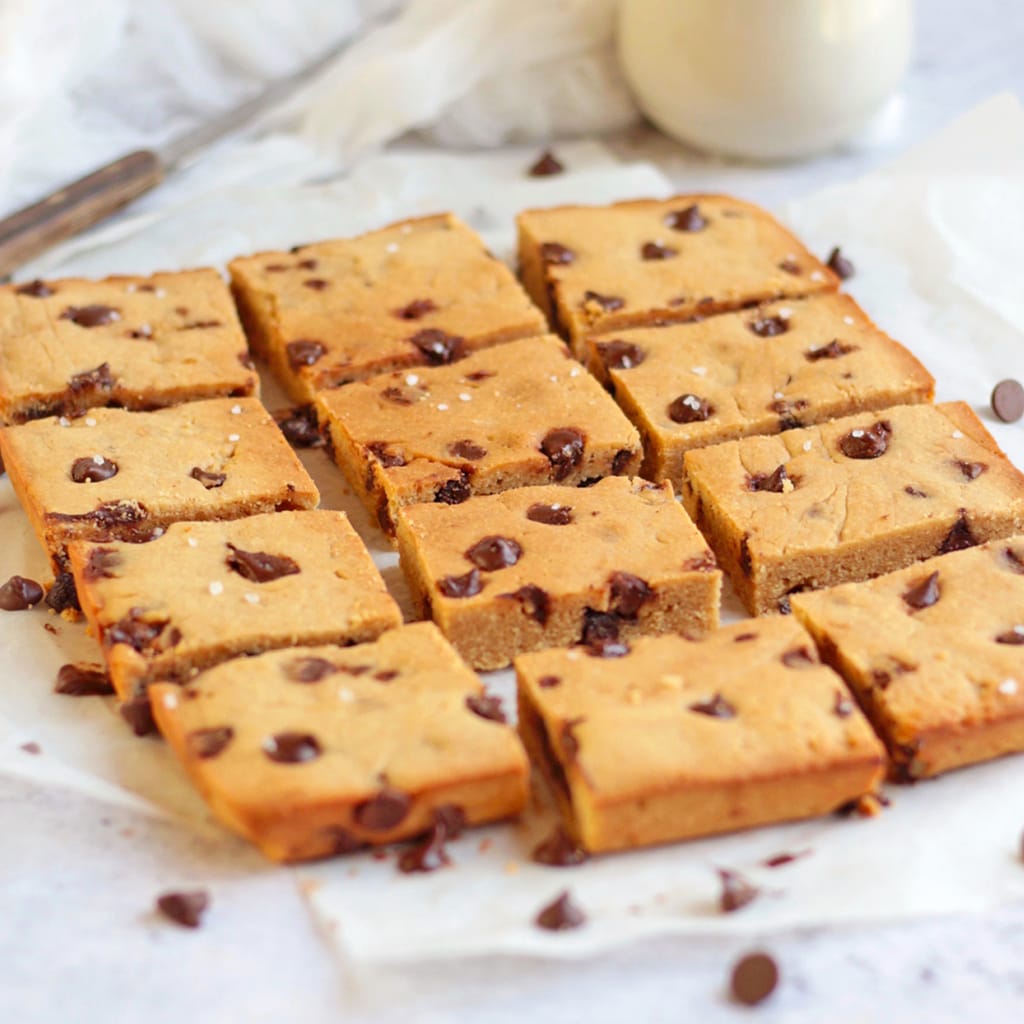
935 240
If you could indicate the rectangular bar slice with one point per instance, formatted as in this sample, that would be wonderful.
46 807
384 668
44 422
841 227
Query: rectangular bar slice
597 268
420 292
760 371
681 738
933 653
205 592
315 751
135 342
119 475
520 414
549 566
850 499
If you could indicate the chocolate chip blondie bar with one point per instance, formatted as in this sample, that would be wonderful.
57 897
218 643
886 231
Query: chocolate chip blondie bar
684 738
519 414
547 566
316 751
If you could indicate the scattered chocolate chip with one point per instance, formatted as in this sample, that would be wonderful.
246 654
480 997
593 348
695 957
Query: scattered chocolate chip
790 267
316 284
309 670
91 316
141 634
82 681
601 634
454 491
19 593
396 395
702 563
714 707
840 265
208 479
867 442
1008 400
478 375
304 352
546 165
207 743
92 469
385 675
737 892
466 585
835 349
452 817
548 682
101 563
486 706
384 455
563 447
959 536
843 706
609 303
1014 637
202 325
741 638
494 553
774 482
621 355
781 859
536 601
260 567
799 657
416 309
628 593
655 251
292 747
467 450
621 461
559 850
307 264
438 347
429 854
925 593
556 254
550 515
300 427
687 219
971 470
184 908
768 326
62 595
383 811
754 979
137 711
89 381
914 492
36 289
690 409
560 915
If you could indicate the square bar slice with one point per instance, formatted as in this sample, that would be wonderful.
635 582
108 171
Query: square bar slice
679 739
315 751
519 414
760 371
119 475
549 566
205 592
850 499
421 292
934 654
597 268
135 342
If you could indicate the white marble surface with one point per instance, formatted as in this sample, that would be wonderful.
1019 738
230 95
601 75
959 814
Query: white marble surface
72 871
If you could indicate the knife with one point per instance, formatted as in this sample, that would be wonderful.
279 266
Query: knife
88 200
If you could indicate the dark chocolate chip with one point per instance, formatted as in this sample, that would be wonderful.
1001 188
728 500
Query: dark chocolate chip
207 743
601 634
620 461
452 818
467 449
959 536
207 478
790 267
560 915
702 563
309 670
467 585
429 854
774 482
202 325
924 593
535 600
1008 400
383 811
835 349
737 892
307 264
546 165
486 706
553 253
550 515
341 840
137 711
36 289
971 470
714 707
628 593
143 635
292 747
621 355
304 352
548 682
559 850
184 908
260 567
655 251
914 492
454 491
416 309
843 706
300 427
384 455
101 563
690 409
479 375
840 265
609 303
867 442
1014 637
494 553
396 395
687 219
768 326
742 638
91 316
62 594
438 347
19 593
316 284
89 381
92 469
799 657
754 979
563 447
385 675
82 681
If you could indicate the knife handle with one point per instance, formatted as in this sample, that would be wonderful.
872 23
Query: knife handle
75 207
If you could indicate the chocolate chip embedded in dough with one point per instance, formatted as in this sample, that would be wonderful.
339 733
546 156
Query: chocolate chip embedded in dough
19 593
300 427
628 594
959 536
914 492
62 595
304 352
259 566
383 811
702 563
486 706
688 219
535 600
790 267
184 908
292 747
207 478
745 558
1014 637
467 449
493 553
98 379
601 635
438 347
316 284
840 265
91 316
210 742
548 682
309 669
971 470
93 469
467 585
656 251
563 448
550 515
556 254
101 563
609 303
714 707
925 593
835 349
690 408
621 355
799 657
36 289
768 326
867 442
773 482
454 491
416 309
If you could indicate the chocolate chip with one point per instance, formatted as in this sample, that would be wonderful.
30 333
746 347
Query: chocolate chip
486 706
799 657
971 470
560 915
62 595
1008 400
714 707
550 515
207 743
415 310
208 479
92 469
1014 562
438 347
768 326
754 979
741 638
141 634
396 395
843 706
1014 637
914 492
621 461
745 558
553 253
559 850
467 450
307 264
959 537
91 316
467 585
452 818
621 355
454 491
137 711
429 854
601 634
304 352
184 908
292 747
260 567
546 165
548 682
702 563
781 859
628 593
839 264
201 325
36 289
309 670
835 349
384 455
300 427
563 447
687 219
924 593
867 442
478 375
494 553
101 563
656 251
316 284
383 811
737 892
774 482
341 840
609 303
19 593
385 675
790 267
82 681
690 409
90 381
536 601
